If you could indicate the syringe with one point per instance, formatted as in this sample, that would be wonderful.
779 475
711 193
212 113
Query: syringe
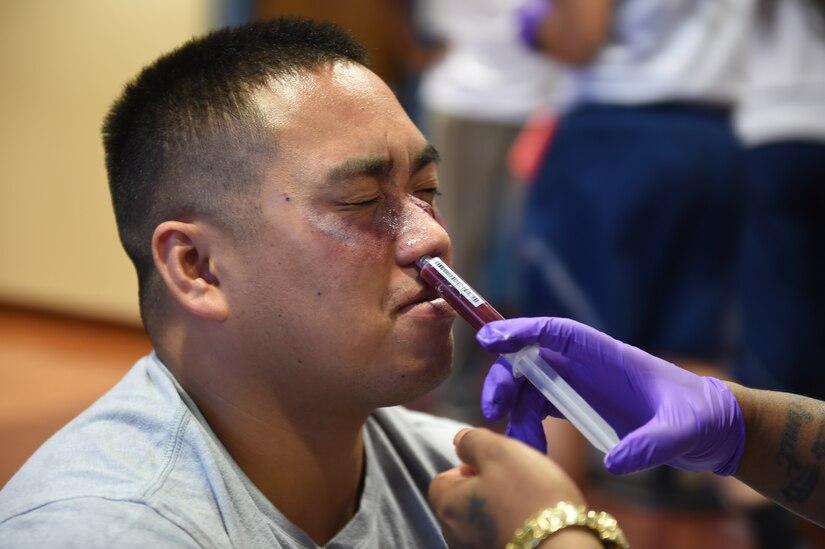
527 362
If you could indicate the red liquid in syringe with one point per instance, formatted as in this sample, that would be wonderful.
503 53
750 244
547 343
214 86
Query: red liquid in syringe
461 297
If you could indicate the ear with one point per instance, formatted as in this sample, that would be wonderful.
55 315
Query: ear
181 254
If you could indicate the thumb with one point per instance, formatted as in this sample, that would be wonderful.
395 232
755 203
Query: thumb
499 391
508 336
472 447
650 445
526 418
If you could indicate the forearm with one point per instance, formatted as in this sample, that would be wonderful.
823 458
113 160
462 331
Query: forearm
576 30
784 455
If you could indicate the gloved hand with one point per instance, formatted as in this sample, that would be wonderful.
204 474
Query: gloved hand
662 413
530 16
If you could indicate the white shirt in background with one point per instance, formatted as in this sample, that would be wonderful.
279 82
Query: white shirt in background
785 93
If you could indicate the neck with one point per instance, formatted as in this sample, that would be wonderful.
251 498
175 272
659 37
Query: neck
309 462
312 472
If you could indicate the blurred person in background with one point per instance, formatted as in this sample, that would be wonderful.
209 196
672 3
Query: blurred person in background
636 202
781 119
781 274
632 223
475 100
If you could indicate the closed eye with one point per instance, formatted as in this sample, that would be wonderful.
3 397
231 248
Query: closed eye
428 194
362 203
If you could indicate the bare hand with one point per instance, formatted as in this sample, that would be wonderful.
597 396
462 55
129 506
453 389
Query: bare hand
499 485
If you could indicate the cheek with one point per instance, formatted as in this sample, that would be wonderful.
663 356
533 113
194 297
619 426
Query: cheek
339 269
354 242
351 252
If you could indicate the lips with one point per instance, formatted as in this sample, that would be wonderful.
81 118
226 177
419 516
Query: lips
427 304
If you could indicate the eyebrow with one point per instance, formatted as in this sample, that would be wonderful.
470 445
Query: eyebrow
428 155
379 166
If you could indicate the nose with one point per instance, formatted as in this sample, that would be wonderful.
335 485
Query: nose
422 232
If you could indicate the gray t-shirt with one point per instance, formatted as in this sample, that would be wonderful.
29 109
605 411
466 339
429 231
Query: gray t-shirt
141 468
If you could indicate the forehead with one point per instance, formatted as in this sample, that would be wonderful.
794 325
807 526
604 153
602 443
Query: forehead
335 112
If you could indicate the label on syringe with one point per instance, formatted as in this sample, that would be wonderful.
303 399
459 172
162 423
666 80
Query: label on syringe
463 288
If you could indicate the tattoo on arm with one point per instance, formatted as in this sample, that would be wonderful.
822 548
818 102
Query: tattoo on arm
477 516
801 468
818 447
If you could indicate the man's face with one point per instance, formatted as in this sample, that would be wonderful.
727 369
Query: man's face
326 300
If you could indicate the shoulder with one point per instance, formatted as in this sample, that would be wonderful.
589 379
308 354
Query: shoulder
92 522
118 449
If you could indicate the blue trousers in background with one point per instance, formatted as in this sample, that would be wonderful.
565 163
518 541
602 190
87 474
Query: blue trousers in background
782 269
631 226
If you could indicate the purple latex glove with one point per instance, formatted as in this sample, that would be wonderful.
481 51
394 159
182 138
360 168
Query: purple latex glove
662 413
502 394
530 16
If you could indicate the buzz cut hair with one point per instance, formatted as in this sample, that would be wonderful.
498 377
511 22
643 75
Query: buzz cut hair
185 139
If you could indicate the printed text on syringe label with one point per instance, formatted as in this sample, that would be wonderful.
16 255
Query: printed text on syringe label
463 288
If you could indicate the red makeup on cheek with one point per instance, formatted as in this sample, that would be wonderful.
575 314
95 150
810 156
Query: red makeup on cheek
461 297
339 231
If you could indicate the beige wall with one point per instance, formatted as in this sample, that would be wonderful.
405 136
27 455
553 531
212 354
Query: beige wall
61 65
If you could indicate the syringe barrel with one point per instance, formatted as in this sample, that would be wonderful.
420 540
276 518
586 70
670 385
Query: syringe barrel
529 363
477 312
461 297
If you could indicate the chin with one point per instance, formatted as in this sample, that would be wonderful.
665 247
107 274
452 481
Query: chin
418 375
430 374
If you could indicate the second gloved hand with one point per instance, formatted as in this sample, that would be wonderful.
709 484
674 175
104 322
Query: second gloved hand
662 413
